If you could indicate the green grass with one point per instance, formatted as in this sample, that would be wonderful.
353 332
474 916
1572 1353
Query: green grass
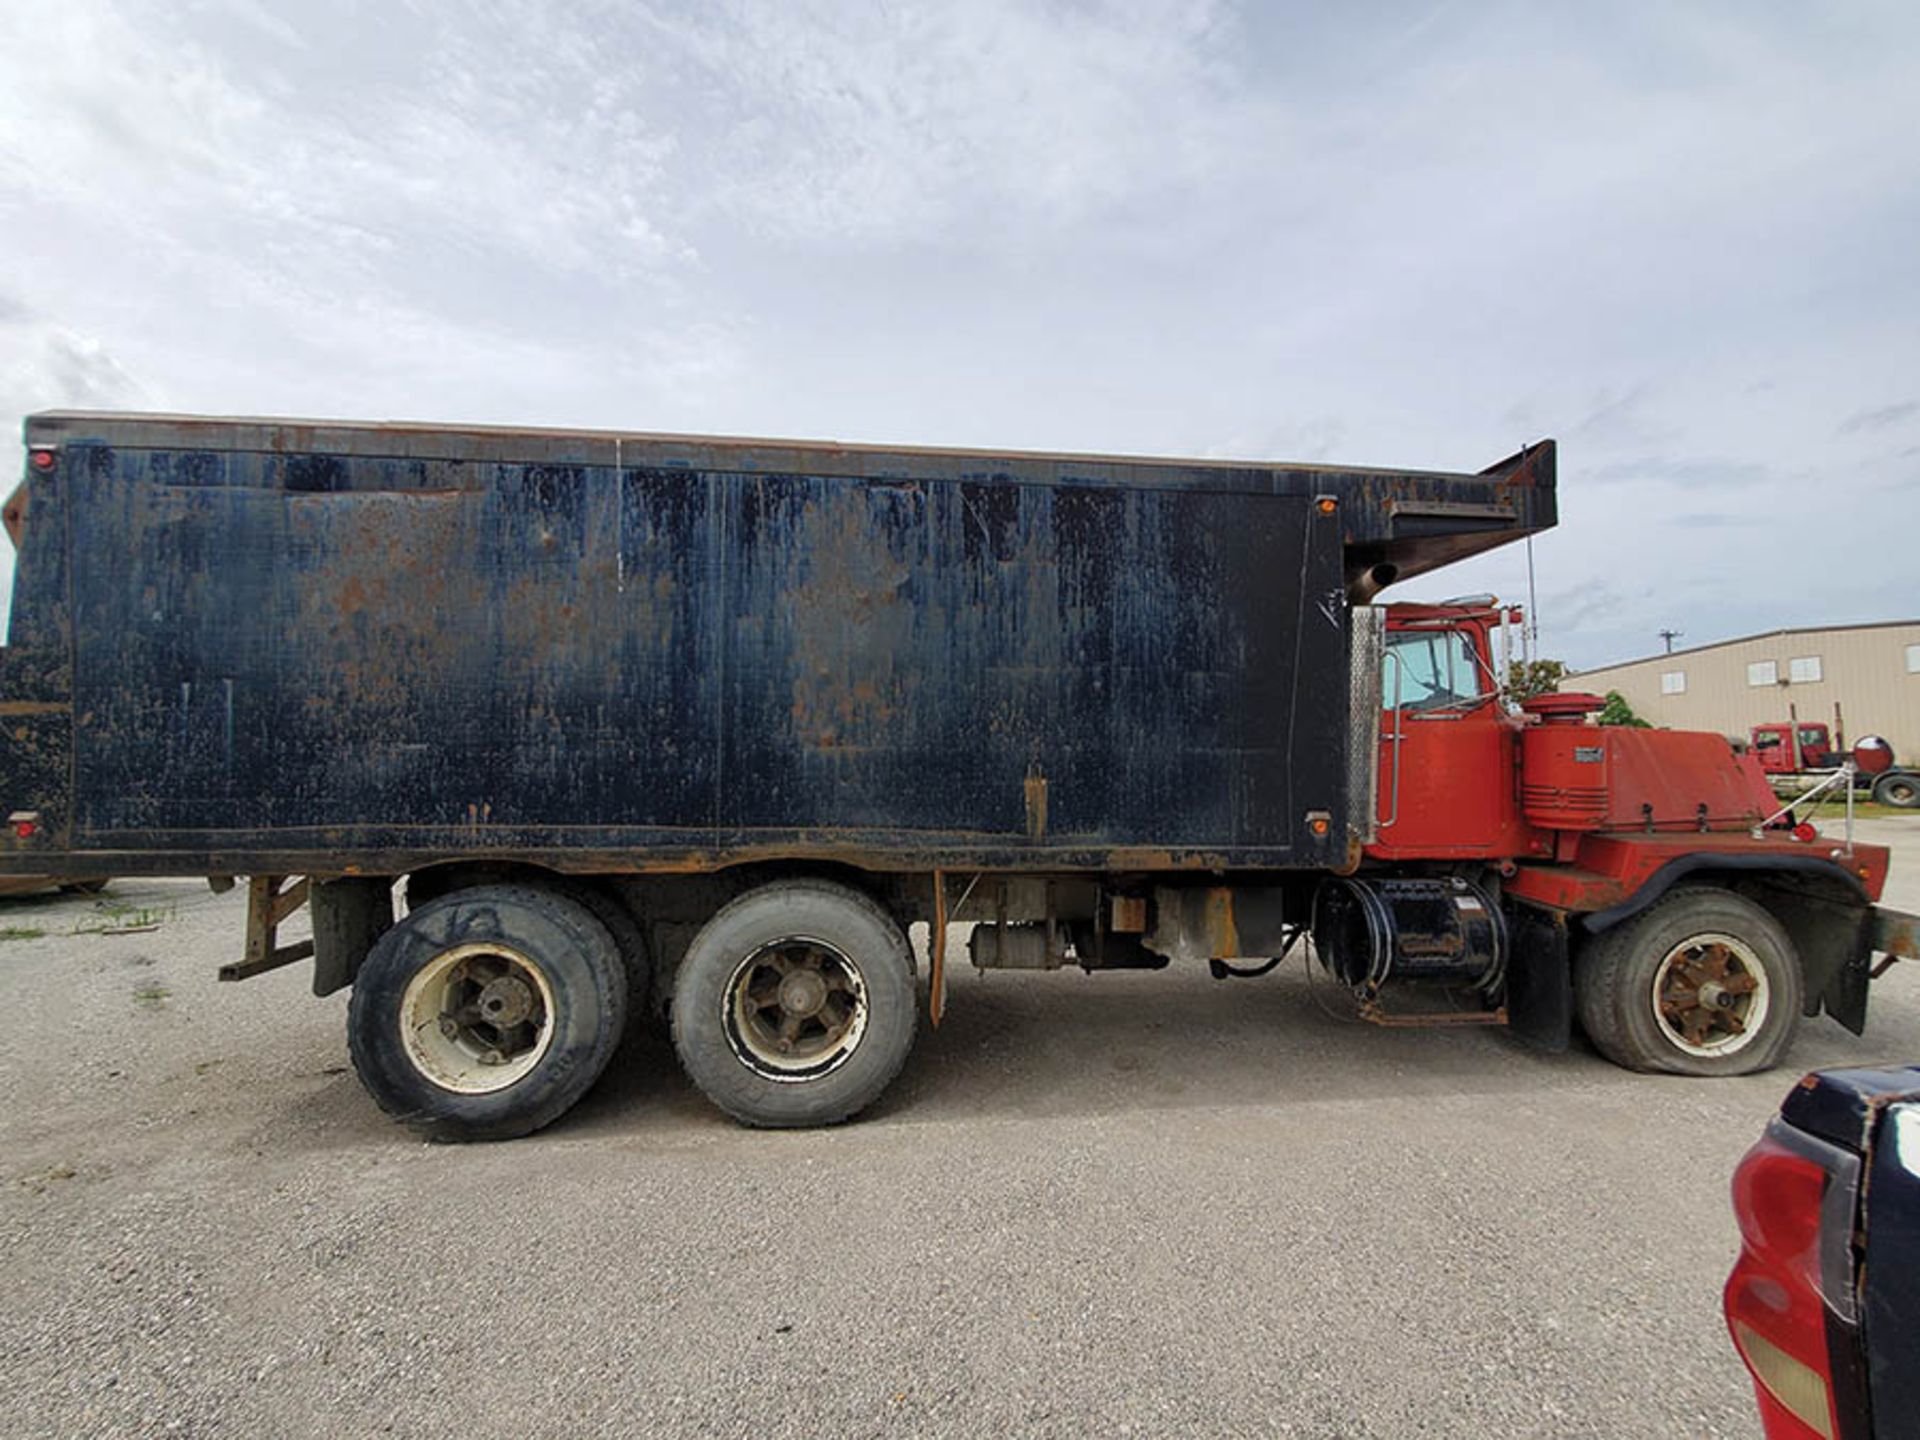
151 994
118 917
1835 812
21 932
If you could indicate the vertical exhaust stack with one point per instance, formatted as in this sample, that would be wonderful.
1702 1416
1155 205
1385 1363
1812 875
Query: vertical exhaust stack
1362 587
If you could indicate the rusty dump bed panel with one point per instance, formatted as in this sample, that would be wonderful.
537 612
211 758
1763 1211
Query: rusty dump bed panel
254 645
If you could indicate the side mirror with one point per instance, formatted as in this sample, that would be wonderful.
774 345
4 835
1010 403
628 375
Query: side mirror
1872 755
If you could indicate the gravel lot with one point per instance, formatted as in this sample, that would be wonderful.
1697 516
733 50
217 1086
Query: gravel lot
1119 1204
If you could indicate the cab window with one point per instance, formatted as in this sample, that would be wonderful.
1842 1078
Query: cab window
1429 670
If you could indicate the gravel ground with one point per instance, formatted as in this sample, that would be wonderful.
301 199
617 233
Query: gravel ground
1121 1204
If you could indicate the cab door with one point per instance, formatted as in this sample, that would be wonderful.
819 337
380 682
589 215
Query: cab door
1448 750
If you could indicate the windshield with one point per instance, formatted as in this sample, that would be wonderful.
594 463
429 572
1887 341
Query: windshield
1429 670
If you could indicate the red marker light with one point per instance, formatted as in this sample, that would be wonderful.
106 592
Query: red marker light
1804 831
24 829
40 459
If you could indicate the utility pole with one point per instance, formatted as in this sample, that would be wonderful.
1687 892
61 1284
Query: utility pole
1670 636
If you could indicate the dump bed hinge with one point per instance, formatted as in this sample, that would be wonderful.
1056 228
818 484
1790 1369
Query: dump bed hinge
268 907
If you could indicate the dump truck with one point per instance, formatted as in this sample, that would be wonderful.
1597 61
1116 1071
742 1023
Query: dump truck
555 730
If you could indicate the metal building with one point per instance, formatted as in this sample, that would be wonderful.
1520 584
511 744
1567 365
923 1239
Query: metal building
1868 674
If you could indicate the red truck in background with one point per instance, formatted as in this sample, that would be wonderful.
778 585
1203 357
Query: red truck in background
1799 753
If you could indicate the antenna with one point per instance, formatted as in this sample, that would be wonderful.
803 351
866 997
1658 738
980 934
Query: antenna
1533 607
1670 636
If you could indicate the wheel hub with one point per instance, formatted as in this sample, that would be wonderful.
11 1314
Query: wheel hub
795 1009
803 993
477 1017
1710 994
506 1001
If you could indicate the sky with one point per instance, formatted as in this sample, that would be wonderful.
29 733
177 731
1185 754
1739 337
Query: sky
1683 240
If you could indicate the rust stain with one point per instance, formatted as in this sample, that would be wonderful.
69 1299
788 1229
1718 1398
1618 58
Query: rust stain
1035 788
14 516
1896 934
1223 931
937 946
851 620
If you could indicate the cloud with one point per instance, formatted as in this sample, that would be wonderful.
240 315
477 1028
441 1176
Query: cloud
1879 418
1710 520
46 366
1682 472
955 124
1622 418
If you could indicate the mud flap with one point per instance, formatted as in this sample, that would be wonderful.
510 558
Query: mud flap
349 914
1539 978
1882 932
1845 997
1834 940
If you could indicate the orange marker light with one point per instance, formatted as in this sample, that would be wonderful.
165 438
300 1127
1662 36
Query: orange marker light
1328 505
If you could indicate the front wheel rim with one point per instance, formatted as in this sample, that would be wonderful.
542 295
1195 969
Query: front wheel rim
477 1018
795 1009
1711 995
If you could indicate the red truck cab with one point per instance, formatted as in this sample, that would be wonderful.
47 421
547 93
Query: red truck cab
1698 919
1774 746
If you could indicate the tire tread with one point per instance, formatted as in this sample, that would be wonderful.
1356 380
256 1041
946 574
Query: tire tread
1602 992
731 1086
444 1122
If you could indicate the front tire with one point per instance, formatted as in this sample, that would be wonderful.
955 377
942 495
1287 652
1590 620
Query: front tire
486 1014
795 1005
1705 982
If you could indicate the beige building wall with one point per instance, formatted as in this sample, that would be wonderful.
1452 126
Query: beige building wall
1871 671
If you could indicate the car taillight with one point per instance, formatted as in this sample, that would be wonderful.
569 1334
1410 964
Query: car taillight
1793 1197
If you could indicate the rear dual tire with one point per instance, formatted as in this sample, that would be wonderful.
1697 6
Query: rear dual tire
487 1013
796 1004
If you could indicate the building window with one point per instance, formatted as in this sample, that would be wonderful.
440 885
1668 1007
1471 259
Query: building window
1763 672
1913 659
1673 682
1804 670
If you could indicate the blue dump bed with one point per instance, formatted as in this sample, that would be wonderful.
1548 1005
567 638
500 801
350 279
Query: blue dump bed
252 646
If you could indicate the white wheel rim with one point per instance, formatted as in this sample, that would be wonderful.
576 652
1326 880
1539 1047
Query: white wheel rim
1711 995
477 1018
795 1009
